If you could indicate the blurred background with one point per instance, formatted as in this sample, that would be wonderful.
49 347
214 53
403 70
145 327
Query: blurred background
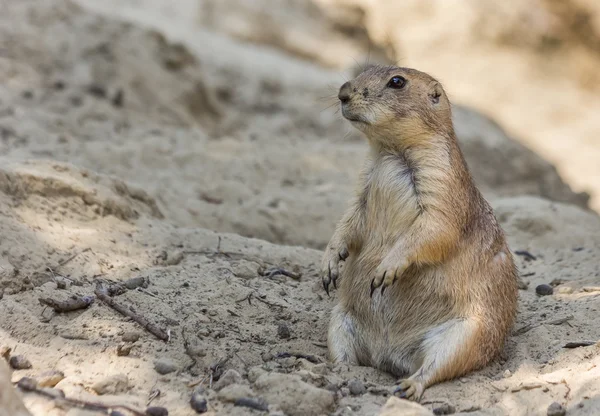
225 110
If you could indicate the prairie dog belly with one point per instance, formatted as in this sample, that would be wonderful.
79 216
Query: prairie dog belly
391 203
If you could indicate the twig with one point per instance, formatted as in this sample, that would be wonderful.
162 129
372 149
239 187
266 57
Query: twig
590 289
524 329
248 297
147 325
68 305
320 344
216 369
186 347
528 327
278 271
560 321
147 292
153 395
266 302
578 344
62 263
29 385
256 404
526 254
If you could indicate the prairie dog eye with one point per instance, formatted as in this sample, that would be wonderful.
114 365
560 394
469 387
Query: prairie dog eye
397 82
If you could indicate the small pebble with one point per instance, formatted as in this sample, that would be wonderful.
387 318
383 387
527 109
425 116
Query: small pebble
556 409
165 366
157 411
357 387
116 384
234 392
123 350
229 377
267 356
5 352
445 409
19 362
283 331
116 413
50 378
131 336
135 282
544 290
506 374
199 403
27 384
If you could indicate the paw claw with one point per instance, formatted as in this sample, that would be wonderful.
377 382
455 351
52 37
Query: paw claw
372 287
409 390
343 254
330 268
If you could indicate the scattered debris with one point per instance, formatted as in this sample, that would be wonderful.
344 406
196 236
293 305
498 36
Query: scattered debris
199 403
256 404
526 254
283 331
136 282
560 321
147 325
72 304
157 411
5 352
50 378
578 344
19 362
556 409
165 365
444 409
313 359
123 350
357 387
115 384
544 290
27 384
131 336
526 386
279 271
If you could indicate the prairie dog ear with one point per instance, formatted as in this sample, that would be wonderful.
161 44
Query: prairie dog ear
435 93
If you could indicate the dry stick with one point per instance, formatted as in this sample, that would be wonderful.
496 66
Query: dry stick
147 325
68 305
276 271
27 384
62 263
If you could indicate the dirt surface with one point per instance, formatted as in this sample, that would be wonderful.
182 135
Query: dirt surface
127 158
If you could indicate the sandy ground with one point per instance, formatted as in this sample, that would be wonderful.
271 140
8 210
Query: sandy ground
127 155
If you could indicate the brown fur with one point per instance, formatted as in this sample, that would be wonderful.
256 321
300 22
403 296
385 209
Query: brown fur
429 286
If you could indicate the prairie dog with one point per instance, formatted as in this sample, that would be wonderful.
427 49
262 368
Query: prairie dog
428 287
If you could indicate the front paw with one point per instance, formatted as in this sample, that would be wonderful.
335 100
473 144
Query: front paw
330 267
410 390
386 274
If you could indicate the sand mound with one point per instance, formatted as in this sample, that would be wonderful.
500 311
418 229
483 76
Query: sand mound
212 292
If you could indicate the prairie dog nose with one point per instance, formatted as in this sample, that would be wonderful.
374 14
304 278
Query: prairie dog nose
344 94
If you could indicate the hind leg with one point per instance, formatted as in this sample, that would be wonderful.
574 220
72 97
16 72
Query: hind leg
447 351
341 339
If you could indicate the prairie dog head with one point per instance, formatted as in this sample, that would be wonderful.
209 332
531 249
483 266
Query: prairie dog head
391 103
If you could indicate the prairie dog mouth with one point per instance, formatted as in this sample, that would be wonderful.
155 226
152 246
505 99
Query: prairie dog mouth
355 118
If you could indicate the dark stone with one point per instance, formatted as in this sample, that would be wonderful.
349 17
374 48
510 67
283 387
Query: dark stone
544 290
